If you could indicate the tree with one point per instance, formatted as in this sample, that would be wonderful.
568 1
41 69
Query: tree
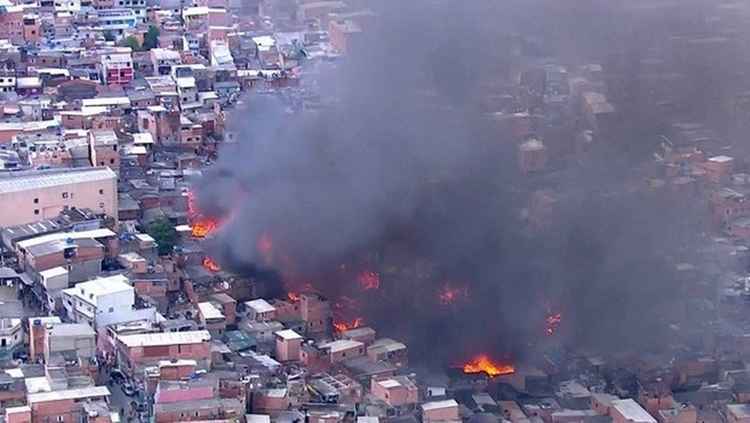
164 234
151 39
109 35
131 42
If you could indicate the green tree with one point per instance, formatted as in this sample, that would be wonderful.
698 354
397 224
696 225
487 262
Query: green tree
131 42
151 39
109 35
165 235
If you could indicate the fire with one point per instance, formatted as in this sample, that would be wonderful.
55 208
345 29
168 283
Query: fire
483 364
344 326
293 296
369 280
449 295
210 264
552 323
201 226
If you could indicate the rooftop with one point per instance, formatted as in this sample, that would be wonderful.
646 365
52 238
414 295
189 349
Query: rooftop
74 394
92 234
288 335
341 345
71 329
260 306
101 286
633 412
437 405
165 338
40 179
209 311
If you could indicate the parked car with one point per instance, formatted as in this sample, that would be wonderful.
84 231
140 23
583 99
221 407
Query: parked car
117 376
128 389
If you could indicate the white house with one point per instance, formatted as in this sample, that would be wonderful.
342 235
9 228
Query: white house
104 301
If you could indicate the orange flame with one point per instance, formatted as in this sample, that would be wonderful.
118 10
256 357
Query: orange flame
369 280
345 326
293 296
210 264
483 364
201 226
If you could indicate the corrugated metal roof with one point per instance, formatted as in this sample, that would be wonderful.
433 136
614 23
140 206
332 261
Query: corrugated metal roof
36 180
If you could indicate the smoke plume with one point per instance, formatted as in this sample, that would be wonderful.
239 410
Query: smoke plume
403 174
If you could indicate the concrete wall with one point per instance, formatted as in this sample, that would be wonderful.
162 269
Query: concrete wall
50 201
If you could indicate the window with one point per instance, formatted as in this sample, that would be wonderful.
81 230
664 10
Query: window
111 309
60 418
36 201
111 161
36 211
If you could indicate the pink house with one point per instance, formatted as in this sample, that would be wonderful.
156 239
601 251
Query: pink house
288 345
169 391
150 348
64 406
395 391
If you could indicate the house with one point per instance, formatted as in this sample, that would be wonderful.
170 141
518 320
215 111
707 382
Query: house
81 258
104 301
11 336
211 318
629 411
396 391
116 69
141 349
116 21
316 312
288 345
38 332
43 194
389 350
260 310
163 60
342 350
53 281
104 149
440 411
78 338
344 34
67 405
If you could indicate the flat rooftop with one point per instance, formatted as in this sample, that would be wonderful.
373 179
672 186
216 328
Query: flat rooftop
22 181
165 338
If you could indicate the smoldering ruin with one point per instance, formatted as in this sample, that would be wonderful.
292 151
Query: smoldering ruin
404 173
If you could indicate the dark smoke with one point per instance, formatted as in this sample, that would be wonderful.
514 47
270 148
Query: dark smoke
405 175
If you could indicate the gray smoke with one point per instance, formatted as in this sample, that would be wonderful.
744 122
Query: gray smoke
405 173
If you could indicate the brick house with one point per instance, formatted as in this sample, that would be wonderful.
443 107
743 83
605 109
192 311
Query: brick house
150 348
